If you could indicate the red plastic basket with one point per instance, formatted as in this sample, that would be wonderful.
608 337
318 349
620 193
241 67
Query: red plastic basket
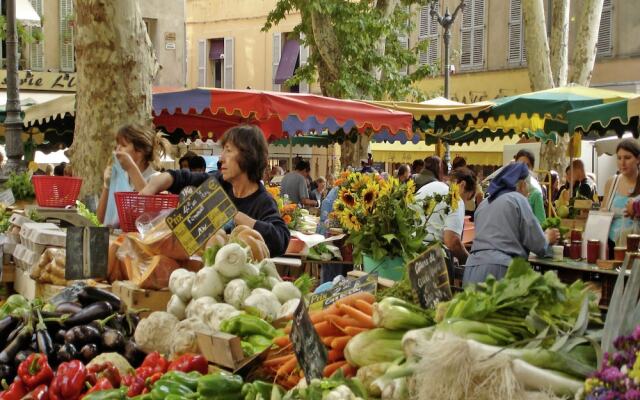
56 191
131 205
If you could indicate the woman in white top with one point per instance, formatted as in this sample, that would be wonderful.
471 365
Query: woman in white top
138 151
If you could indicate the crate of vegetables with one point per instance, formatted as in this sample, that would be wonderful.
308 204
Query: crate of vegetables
134 297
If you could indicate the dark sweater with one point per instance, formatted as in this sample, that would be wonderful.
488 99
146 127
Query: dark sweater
258 205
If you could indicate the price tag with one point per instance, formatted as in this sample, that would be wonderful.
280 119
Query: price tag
366 283
86 250
309 349
6 198
429 277
200 216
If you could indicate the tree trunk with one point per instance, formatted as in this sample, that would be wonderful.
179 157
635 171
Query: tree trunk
584 51
560 41
386 7
537 45
115 68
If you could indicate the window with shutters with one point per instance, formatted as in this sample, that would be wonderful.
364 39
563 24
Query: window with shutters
202 63
229 61
36 49
67 59
605 34
428 30
275 58
516 54
472 35
304 57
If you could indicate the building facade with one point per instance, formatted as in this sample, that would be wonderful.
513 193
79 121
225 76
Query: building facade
227 48
54 53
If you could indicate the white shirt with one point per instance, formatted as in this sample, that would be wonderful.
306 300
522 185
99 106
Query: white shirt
454 221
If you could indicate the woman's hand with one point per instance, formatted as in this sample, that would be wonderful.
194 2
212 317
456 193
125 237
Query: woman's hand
552 234
106 176
125 160
244 219
629 211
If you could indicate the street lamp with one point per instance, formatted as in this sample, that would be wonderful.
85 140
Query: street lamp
13 119
446 21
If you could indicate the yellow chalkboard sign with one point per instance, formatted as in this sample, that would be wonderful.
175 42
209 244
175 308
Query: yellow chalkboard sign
200 216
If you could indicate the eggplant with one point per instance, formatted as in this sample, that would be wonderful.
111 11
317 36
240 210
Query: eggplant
69 308
67 352
21 356
58 337
90 295
19 342
79 335
7 373
95 311
33 344
132 321
133 353
112 340
89 351
43 339
7 325
118 323
15 332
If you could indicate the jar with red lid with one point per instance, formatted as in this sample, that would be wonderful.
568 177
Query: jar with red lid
576 249
593 250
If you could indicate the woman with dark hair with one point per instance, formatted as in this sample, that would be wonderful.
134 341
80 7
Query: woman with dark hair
244 158
404 173
431 172
622 187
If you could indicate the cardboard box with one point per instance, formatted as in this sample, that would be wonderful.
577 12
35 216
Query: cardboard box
134 297
30 288
224 350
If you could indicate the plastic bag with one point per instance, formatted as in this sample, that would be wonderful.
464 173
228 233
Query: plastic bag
144 268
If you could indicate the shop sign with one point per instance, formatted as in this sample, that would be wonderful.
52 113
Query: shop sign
200 216
309 349
429 277
45 81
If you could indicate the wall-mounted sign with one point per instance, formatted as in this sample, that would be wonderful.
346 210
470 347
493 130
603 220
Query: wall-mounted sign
170 45
51 81
170 36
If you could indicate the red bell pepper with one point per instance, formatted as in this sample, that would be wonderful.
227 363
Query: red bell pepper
156 362
39 393
15 391
102 384
35 371
104 370
190 362
153 379
68 384
135 384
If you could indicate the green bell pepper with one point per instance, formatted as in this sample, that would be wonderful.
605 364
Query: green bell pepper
111 394
259 342
245 325
163 388
220 387
189 380
247 349
259 390
146 396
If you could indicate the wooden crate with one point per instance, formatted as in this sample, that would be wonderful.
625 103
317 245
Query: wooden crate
134 297
8 273
30 288
225 350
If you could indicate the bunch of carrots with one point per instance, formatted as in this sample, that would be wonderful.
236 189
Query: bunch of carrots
336 325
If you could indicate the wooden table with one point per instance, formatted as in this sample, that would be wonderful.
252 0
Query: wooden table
569 270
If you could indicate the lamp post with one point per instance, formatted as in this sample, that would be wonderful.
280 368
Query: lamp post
446 21
13 119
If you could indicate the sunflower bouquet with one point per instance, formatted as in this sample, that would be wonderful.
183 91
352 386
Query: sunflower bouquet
381 216
291 214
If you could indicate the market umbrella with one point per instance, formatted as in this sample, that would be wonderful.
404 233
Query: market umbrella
433 119
542 114
212 111
597 121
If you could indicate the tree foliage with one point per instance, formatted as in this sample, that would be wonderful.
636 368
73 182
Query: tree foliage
355 47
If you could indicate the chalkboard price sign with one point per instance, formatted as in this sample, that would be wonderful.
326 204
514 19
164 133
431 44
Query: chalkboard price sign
309 349
429 277
85 255
200 216
366 283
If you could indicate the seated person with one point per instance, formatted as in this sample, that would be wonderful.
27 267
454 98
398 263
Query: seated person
583 186
244 158
197 164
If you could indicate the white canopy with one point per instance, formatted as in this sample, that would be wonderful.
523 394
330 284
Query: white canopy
26 14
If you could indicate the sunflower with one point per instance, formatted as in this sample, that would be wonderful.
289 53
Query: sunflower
350 221
347 197
430 206
411 189
370 195
274 191
455 196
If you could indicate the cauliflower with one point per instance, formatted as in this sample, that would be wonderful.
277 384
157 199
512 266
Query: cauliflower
185 336
288 308
236 291
154 333
214 314
196 307
265 302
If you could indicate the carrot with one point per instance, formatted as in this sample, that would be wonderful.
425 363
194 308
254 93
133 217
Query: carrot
293 380
332 309
325 329
317 317
340 343
364 307
349 371
282 341
327 340
278 360
350 300
365 320
335 355
333 367
287 329
287 367
352 331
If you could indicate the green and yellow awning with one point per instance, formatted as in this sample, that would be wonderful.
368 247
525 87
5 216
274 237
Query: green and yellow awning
597 121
